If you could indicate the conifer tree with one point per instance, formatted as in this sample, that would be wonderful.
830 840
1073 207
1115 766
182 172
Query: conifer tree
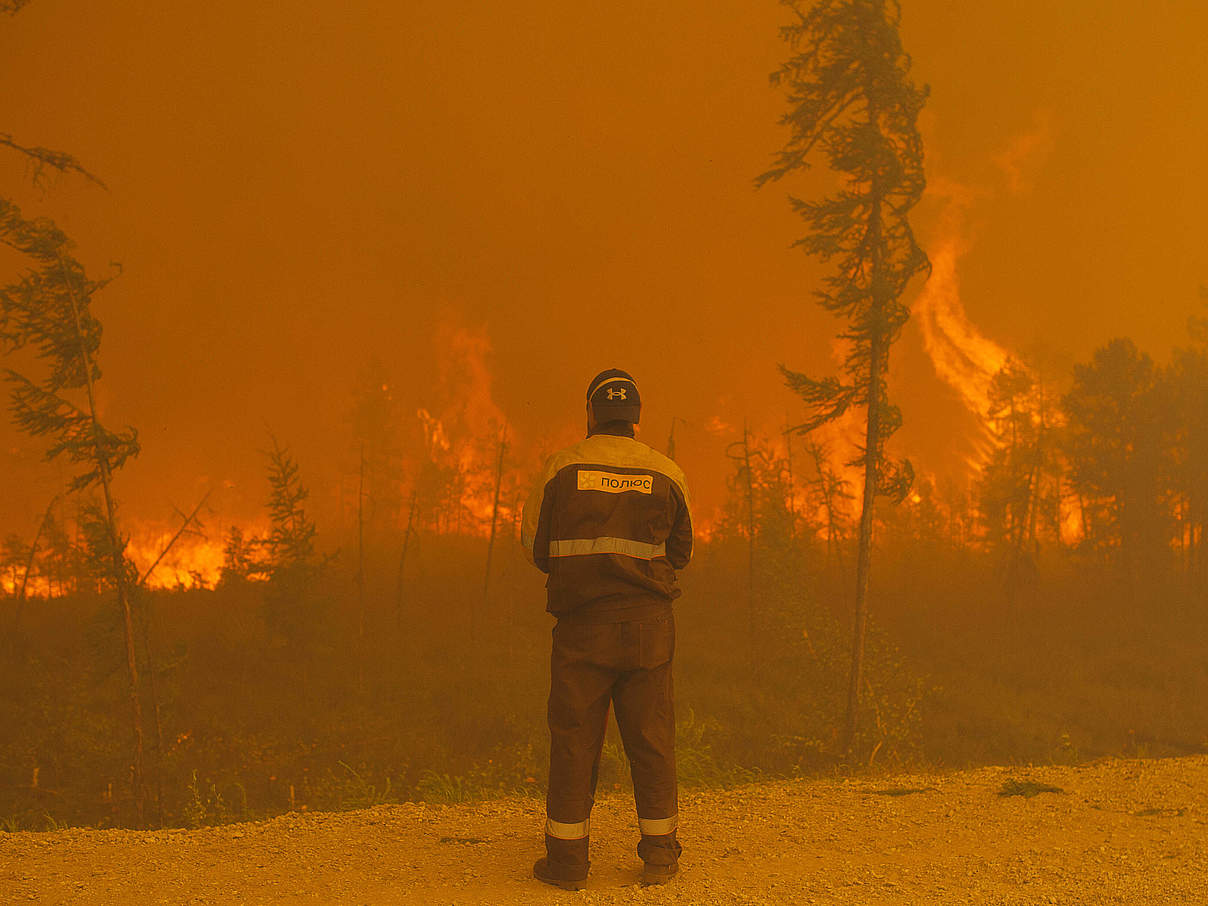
289 562
1019 489
852 102
291 538
48 311
1118 440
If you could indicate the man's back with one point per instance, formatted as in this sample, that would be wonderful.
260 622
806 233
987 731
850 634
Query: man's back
609 521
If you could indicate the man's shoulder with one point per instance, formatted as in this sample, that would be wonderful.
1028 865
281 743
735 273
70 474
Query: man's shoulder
621 452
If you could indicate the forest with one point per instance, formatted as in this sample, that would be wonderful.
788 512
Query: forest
1050 614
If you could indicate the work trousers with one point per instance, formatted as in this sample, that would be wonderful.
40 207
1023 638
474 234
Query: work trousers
628 666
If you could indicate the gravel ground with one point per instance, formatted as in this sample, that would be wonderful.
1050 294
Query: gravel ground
1122 831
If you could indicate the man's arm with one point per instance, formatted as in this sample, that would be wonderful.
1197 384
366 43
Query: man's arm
679 542
534 525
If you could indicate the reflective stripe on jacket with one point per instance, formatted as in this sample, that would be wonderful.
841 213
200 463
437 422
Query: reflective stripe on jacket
609 521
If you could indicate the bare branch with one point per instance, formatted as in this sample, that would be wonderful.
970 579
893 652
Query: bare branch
46 157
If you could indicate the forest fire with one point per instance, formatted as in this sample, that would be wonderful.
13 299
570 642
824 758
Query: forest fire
962 356
374 253
465 446
193 561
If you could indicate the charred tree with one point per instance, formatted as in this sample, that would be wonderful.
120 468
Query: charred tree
853 103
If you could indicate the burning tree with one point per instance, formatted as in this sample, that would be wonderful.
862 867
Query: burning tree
853 102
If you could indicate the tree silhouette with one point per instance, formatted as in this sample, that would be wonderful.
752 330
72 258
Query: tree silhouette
852 101
1116 444
291 539
1187 381
48 311
1018 491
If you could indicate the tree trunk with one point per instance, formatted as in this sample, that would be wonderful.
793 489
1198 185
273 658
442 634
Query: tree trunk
872 438
119 566
29 565
147 615
792 504
402 564
361 575
486 577
746 458
864 550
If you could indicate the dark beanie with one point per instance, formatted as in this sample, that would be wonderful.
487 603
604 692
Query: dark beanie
613 396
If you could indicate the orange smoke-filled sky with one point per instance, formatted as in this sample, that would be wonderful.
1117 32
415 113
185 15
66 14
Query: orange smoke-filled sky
297 189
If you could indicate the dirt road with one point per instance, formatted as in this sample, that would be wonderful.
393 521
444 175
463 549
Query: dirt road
1129 832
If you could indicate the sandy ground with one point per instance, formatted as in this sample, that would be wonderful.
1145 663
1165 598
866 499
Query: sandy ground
1123 831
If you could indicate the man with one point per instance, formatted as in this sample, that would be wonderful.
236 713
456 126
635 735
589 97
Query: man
609 522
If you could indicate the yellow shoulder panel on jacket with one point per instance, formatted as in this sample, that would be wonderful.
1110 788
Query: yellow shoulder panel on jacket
598 449
608 449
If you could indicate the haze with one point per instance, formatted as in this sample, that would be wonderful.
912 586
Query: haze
545 190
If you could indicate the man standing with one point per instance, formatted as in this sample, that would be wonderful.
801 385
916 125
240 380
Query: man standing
609 522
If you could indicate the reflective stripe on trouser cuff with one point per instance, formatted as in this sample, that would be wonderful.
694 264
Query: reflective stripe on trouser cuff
578 547
576 831
658 827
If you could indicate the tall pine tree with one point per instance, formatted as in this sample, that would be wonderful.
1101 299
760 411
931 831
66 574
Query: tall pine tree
852 103
48 310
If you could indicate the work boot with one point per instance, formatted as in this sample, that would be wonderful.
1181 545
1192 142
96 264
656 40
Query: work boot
660 857
565 863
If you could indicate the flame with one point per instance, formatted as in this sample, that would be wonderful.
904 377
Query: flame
1072 527
194 561
37 586
463 434
466 380
962 356
434 432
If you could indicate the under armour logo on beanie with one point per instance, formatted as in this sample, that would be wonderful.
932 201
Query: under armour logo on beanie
614 396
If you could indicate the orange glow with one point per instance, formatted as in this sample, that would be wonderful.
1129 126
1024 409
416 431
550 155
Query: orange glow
194 560
37 587
1072 527
963 357
464 435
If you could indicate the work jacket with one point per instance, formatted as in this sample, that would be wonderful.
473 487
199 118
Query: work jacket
609 521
